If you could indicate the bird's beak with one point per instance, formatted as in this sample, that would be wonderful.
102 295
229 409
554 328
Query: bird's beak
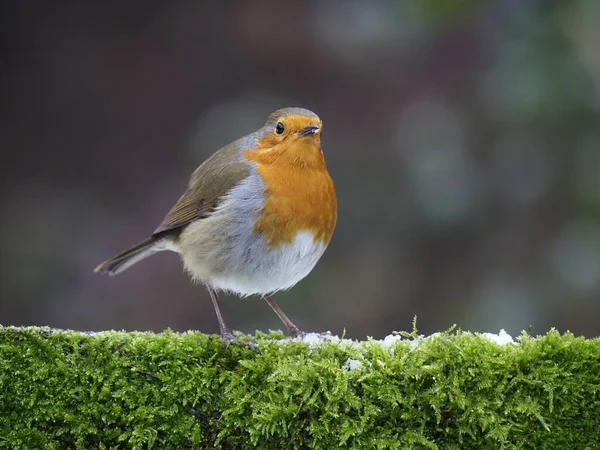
308 131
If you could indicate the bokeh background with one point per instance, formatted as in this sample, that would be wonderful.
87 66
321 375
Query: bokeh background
463 138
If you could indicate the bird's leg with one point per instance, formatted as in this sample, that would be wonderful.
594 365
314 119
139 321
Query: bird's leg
293 330
226 333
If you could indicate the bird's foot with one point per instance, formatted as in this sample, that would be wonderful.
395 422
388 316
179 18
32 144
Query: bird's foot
296 333
228 337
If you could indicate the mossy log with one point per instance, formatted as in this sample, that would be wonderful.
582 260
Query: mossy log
454 390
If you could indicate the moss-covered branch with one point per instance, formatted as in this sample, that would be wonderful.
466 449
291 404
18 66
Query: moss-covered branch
170 390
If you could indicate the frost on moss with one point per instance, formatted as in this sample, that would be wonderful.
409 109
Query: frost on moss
63 390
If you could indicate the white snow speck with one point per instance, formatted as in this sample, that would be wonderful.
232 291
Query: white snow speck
390 340
321 338
353 364
501 338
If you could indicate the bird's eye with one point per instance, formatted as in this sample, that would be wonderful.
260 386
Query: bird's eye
279 128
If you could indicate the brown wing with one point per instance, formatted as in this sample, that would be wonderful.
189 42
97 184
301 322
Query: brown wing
186 210
208 186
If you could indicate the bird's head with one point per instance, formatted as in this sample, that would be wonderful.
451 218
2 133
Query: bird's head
290 136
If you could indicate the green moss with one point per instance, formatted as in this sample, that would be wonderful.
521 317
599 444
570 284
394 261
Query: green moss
117 390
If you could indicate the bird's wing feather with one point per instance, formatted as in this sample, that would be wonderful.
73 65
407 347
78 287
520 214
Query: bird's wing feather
208 186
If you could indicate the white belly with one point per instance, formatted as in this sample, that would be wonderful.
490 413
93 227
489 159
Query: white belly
224 252
269 270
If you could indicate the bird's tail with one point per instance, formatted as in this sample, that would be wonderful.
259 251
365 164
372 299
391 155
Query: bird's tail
127 258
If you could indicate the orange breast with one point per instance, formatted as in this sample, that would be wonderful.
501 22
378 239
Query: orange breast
299 193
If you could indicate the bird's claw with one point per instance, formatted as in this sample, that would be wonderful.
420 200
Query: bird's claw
297 334
228 337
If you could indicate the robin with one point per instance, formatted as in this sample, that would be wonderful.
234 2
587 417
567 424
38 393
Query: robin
256 216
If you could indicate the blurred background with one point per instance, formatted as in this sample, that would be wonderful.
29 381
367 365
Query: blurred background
463 138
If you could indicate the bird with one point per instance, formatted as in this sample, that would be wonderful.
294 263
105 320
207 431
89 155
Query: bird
255 218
